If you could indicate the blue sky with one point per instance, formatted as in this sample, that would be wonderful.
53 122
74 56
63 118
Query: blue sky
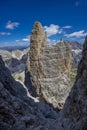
60 18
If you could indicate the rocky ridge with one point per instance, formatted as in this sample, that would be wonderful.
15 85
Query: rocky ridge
74 114
18 110
48 68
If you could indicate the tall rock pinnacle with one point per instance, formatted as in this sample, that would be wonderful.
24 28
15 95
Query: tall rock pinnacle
38 40
49 68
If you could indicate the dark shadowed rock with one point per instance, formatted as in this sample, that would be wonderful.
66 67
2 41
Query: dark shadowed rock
18 110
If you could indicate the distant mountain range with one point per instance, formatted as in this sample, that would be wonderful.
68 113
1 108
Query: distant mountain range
73 44
11 48
76 51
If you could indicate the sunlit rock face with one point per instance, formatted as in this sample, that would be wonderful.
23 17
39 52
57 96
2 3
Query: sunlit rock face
49 67
74 114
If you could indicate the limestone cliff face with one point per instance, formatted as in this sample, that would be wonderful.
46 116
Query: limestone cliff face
38 40
49 67
74 114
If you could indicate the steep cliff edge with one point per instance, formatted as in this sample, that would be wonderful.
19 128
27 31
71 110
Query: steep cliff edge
49 68
18 110
74 114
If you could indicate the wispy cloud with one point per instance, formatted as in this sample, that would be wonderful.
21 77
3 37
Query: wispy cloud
67 27
78 34
17 40
5 33
26 39
12 25
52 30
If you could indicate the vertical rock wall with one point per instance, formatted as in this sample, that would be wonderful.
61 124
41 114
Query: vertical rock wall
49 67
74 114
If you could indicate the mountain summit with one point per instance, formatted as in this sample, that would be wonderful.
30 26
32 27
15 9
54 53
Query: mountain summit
49 68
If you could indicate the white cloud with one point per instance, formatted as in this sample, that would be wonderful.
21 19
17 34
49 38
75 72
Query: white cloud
67 27
78 34
12 25
55 29
26 39
52 30
5 33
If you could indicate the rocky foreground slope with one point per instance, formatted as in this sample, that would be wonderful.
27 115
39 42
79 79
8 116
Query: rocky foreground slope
18 110
49 68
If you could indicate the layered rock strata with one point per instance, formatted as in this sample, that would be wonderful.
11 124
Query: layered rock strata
74 114
49 67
